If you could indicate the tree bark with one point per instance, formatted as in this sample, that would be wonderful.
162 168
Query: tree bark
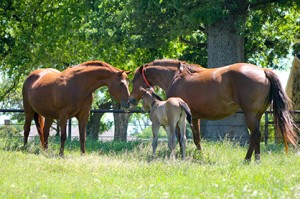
93 126
121 124
225 46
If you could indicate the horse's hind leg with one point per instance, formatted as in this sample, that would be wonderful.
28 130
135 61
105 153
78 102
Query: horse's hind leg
252 121
63 136
28 119
182 127
171 139
48 123
155 129
39 122
196 132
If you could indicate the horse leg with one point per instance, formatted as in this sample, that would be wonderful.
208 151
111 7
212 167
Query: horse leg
182 127
252 121
196 132
28 119
82 119
172 140
178 136
48 123
39 122
155 129
63 136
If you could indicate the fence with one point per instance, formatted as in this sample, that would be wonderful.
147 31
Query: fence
264 128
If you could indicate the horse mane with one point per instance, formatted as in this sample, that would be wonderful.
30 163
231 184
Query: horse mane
97 64
191 68
166 62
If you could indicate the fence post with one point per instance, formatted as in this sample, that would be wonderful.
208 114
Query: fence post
266 128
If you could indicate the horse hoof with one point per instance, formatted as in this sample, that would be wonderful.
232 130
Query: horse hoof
247 161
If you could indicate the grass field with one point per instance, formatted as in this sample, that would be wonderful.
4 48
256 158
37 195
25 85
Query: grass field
127 170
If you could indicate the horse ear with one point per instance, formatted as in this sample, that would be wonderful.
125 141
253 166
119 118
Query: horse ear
141 68
128 72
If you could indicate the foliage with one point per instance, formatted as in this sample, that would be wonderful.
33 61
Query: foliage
271 44
127 170
129 33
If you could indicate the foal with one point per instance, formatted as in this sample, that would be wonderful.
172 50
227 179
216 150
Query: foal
170 114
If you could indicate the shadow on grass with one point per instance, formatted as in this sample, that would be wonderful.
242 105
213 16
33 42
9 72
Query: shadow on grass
138 149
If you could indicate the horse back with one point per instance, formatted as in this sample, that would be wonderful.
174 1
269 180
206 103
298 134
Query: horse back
218 92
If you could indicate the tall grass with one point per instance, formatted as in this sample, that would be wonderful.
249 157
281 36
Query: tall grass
128 170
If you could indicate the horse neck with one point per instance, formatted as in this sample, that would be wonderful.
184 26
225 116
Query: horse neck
161 76
91 78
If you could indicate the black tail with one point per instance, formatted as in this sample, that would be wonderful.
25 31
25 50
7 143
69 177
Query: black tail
281 110
187 110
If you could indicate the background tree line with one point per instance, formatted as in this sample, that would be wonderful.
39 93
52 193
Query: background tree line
127 33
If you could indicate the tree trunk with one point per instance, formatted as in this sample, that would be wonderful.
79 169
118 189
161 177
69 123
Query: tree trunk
93 126
121 124
225 46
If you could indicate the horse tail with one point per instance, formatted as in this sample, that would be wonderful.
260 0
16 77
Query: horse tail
281 106
187 110
39 122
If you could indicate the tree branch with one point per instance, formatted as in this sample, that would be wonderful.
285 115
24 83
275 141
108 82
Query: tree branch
260 3
198 45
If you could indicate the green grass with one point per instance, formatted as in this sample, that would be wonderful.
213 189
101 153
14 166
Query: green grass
127 170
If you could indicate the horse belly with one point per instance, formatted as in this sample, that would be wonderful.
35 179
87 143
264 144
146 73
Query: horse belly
214 112
43 102
208 104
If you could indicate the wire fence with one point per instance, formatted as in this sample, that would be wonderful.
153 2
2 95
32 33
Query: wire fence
266 125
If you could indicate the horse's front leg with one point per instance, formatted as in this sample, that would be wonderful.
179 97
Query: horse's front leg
82 120
155 129
196 132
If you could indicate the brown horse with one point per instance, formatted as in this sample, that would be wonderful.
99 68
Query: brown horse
219 92
49 94
169 114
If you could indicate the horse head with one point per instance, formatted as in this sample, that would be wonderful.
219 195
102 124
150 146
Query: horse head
139 81
118 88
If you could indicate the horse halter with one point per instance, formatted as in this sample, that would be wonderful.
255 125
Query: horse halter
145 79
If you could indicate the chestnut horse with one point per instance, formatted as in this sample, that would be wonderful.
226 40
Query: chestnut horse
49 94
216 93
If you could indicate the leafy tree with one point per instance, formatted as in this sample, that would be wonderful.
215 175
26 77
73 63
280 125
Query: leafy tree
58 34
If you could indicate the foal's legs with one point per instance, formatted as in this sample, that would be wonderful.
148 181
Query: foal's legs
171 139
155 129
196 132
252 121
177 132
48 123
182 127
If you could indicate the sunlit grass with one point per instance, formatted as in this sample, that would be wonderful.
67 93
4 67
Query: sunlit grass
128 170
